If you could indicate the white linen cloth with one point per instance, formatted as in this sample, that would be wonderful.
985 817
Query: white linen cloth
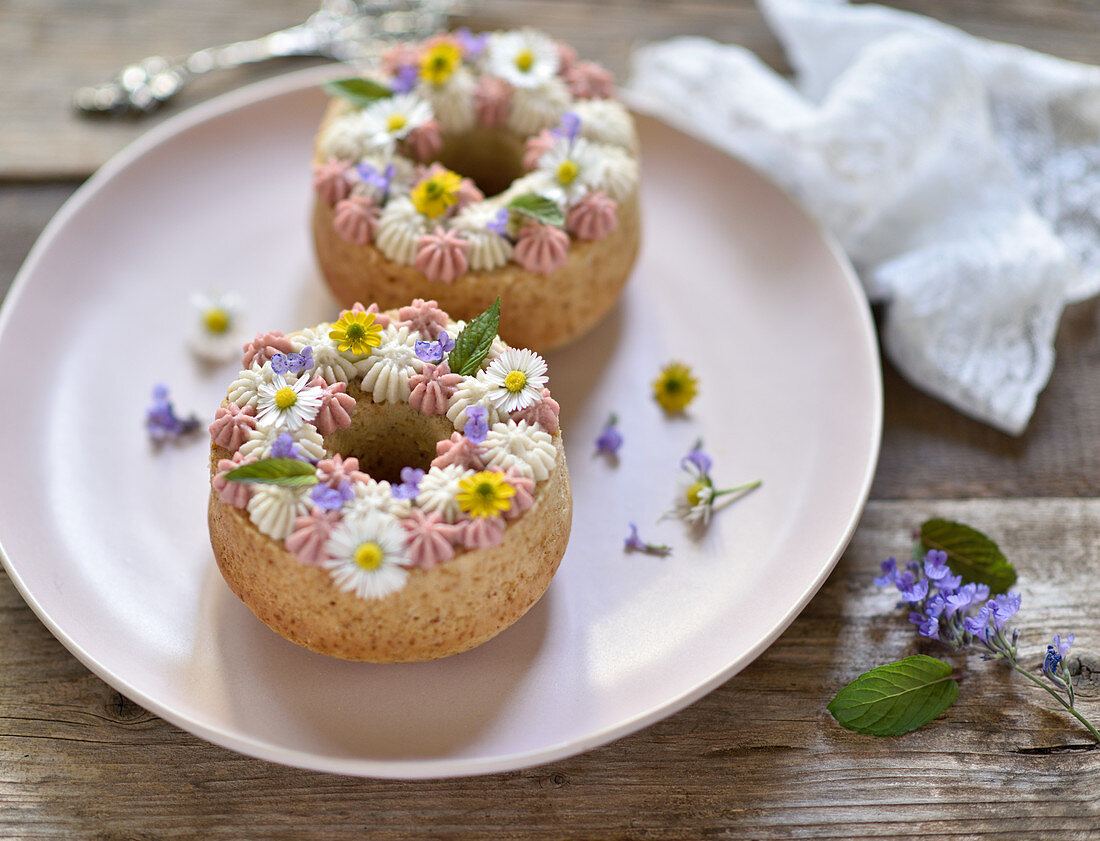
961 176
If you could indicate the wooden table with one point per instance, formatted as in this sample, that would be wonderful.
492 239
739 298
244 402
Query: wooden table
757 758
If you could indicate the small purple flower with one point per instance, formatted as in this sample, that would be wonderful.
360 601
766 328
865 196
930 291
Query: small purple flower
161 420
1003 608
477 423
569 127
963 598
472 45
633 543
331 499
978 626
1052 661
1063 645
294 363
411 477
499 223
610 439
913 592
369 175
284 447
697 459
889 572
929 626
405 79
433 351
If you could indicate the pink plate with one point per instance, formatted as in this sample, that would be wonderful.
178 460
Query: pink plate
107 540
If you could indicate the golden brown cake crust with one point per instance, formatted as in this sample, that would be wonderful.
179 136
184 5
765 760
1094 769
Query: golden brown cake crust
537 311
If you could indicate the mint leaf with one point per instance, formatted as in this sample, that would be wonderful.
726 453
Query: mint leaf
473 343
969 553
895 698
359 92
539 208
287 472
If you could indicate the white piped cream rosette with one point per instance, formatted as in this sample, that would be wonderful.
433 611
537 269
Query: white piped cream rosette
468 466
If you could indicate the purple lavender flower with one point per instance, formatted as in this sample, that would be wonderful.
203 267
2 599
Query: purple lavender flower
697 459
433 351
331 499
499 223
477 423
978 626
405 79
471 45
295 363
889 572
913 592
411 477
633 543
284 447
161 420
610 439
569 127
369 175
1002 608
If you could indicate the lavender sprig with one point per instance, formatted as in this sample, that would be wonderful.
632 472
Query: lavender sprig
964 617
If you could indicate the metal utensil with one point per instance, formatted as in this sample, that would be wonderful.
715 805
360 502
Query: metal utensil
344 30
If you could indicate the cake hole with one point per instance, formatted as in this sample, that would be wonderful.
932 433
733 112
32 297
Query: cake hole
386 437
490 158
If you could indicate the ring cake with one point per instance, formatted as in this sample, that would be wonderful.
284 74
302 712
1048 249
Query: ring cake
471 167
391 487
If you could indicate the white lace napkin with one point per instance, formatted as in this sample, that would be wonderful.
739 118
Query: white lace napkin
962 176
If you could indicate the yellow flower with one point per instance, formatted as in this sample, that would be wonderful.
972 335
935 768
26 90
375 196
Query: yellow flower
356 331
439 62
675 387
485 494
435 194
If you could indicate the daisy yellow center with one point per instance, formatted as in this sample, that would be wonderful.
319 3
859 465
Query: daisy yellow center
356 331
567 172
285 397
515 381
694 491
368 556
525 59
216 320
396 122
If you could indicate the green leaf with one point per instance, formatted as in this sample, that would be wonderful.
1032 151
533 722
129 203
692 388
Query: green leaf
969 553
287 472
359 92
539 208
895 698
473 343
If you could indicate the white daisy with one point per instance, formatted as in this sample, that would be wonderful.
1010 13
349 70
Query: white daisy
523 58
439 490
515 379
385 121
527 449
388 368
367 555
572 168
377 496
215 337
273 509
287 405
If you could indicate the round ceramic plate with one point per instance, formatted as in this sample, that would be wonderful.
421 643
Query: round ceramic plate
106 537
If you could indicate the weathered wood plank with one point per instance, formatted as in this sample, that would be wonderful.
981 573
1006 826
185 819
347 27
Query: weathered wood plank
48 48
758 758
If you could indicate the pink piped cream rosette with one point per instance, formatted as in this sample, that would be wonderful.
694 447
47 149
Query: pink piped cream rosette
484 165
433 506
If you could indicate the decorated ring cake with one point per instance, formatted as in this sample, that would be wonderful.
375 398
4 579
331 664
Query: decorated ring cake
390 487
471 167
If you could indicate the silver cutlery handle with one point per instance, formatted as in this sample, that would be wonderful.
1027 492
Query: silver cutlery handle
344 30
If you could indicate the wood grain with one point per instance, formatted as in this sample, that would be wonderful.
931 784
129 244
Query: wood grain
758 758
